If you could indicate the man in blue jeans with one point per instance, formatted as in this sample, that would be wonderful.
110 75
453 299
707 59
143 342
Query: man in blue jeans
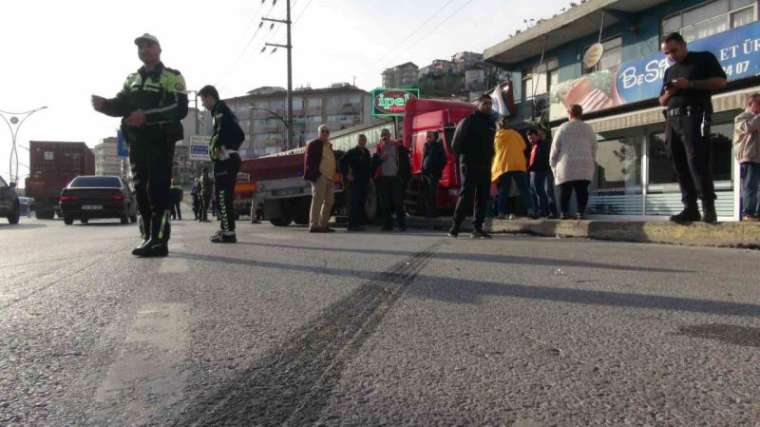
747 142
541 177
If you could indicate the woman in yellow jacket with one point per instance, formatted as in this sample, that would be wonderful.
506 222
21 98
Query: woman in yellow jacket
510 164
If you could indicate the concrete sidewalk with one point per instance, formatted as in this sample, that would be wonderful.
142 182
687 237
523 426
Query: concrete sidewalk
728 234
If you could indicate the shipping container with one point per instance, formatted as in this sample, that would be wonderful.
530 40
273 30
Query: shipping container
52 165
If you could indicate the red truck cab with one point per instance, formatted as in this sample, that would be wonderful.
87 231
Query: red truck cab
442 116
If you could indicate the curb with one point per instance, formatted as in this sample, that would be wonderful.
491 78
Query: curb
729 234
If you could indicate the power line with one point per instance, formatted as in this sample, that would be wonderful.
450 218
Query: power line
435 27
231 68
418 28
303 11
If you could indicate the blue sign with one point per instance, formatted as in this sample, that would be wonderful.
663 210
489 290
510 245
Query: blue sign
121 145
737 50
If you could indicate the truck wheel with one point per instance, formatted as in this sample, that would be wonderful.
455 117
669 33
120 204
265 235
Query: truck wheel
281 222
44 214
68 220
299 210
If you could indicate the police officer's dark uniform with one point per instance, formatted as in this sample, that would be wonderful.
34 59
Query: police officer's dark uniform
473 143
687 133
223 146
205 193
161 95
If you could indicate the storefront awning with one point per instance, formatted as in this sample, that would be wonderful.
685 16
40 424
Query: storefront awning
573 24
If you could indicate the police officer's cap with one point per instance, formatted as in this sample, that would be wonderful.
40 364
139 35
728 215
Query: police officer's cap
147 38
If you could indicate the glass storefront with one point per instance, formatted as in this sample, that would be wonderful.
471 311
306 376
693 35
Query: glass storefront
635 174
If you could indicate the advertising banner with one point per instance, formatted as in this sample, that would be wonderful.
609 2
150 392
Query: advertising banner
391 102
737 50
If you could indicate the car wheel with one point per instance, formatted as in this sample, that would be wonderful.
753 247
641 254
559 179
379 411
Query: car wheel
84 220
68 220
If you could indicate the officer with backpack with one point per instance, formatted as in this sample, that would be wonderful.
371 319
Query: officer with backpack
223 152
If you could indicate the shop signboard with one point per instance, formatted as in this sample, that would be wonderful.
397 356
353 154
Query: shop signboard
199 147
737 50
391 102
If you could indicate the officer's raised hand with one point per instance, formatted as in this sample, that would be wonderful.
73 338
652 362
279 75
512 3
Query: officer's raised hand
135 119
98 102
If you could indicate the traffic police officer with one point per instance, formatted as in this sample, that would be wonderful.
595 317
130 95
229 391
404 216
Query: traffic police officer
686 91
223 151
151 104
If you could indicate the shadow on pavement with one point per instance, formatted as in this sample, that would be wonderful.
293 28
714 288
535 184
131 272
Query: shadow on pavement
20 226
463 291
731 334
498 259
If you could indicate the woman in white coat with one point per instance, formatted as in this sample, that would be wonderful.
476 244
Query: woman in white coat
572 159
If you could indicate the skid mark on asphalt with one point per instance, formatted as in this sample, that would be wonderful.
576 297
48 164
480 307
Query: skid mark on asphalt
292 383
146 378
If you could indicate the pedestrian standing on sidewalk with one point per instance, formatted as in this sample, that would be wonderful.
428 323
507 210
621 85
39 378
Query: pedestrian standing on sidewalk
541 177
356 167
223 152
206 188
152 104
433 161
393 171
747 142
319 169
176 199
473 143
572 158
686 92
510 164
195 194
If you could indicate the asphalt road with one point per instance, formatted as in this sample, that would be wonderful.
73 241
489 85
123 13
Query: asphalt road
291 328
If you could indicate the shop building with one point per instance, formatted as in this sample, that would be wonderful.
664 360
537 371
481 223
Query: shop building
635 178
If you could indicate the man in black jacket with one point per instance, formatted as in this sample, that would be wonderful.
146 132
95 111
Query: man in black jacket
433 162
473 143
357 168
225 141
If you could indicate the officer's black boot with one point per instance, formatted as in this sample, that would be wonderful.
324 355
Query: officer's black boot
708 212
144 233
689 214
157 246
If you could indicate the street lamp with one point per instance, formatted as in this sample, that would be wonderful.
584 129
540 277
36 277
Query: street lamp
14 124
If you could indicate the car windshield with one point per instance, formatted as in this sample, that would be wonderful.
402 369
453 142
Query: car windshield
95 182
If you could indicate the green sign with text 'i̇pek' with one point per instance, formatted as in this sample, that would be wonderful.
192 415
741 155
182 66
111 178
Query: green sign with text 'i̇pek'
391 102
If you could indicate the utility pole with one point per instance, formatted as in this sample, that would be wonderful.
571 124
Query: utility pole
289 46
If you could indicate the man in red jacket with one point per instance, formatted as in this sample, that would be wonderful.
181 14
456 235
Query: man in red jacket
319 169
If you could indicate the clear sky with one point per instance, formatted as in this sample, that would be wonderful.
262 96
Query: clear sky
57 53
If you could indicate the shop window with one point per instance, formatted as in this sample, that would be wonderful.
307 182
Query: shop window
619 164
710 18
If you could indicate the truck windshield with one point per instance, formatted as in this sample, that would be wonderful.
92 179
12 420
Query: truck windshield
95 182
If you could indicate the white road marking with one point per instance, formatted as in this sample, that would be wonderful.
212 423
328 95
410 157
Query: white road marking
146 376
